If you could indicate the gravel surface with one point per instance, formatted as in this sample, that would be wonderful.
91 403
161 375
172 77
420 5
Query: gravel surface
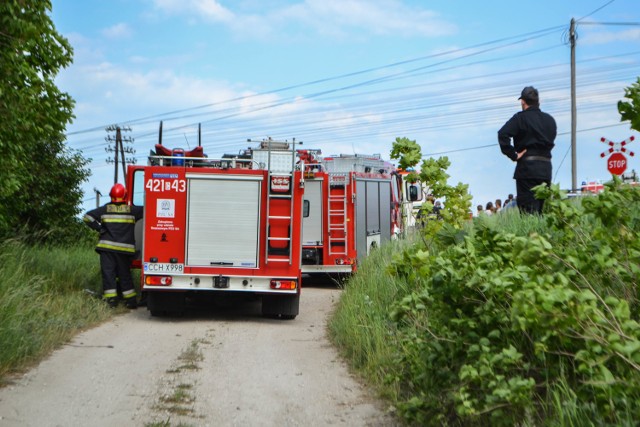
226 366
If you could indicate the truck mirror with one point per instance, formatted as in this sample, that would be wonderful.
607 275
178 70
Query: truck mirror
305 208
414 193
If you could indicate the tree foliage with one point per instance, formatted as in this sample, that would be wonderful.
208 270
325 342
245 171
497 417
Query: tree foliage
40 177
630 111
409 154
433 176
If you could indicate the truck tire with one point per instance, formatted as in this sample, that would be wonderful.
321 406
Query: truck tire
284 307
165 303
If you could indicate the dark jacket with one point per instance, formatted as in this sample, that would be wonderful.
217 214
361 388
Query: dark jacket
116 224
534 131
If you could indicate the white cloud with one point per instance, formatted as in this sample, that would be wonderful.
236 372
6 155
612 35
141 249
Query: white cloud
210 10
337 18
117 31
382 17
604 37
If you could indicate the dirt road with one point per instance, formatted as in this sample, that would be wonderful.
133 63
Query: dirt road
222 367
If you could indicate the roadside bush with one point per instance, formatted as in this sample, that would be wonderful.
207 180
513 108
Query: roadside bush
533 325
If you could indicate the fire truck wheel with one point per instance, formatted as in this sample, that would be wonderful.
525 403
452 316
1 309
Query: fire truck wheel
166 303
284 307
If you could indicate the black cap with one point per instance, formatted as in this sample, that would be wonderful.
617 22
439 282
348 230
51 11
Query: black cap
530 95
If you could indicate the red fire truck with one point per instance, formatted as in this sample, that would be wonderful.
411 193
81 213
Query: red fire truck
231 225
352 204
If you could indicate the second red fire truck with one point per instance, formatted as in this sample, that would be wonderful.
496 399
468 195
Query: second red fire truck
352 204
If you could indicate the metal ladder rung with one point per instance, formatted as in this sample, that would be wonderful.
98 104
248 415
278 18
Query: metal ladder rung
279 217
279 196
278 259
280 239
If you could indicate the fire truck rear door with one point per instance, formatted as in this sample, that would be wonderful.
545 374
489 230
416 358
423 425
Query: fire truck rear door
223 220
312 221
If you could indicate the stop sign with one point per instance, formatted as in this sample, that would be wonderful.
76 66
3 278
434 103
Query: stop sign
617 164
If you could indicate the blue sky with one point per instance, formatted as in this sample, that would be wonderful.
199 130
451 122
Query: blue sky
348 76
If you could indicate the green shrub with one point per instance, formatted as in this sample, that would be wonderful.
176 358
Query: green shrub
528 324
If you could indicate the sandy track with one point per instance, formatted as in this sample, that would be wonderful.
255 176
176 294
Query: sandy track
222 367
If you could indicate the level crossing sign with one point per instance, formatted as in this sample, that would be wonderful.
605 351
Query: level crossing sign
617 161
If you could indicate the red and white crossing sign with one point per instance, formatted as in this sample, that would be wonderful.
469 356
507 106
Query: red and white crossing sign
617 162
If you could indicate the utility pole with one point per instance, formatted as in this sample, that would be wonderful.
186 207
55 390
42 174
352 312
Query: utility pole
572 39
120 149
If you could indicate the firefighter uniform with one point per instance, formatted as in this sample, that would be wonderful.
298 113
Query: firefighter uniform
116 224
534 131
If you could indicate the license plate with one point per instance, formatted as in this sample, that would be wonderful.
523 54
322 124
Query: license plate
163 267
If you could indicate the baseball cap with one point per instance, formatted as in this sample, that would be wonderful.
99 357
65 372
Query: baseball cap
529 93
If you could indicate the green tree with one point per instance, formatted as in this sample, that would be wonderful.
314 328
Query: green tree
630 111
40 176
434 177
409 154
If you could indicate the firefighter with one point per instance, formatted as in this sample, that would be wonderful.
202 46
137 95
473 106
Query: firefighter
115 221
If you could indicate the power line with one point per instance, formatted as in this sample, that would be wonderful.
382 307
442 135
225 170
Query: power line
597 59
596 10
395 106
529 36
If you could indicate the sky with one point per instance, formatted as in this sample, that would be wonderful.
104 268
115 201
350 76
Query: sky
348 76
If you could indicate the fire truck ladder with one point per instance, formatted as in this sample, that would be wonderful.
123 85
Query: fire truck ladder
277 254
338 217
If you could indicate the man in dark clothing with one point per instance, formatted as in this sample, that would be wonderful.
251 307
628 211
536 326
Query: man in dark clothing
116 222
533 133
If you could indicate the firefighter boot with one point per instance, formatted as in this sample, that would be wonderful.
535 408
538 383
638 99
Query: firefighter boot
131 303
113 302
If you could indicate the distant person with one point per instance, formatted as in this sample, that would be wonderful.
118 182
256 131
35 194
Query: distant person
116 221
489 208
480 210
509 199
498 206
510 204
533 133
437 208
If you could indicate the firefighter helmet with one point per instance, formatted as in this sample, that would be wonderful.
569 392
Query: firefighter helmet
118 193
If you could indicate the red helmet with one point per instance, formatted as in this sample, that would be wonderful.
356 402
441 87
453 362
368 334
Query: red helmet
118 193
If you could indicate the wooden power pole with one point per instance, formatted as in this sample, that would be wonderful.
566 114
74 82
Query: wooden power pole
574 173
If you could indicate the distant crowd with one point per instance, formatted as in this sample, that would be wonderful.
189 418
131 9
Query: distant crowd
492 208
489 209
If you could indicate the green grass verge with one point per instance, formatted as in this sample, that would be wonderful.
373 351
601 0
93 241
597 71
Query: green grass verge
43 302
361 327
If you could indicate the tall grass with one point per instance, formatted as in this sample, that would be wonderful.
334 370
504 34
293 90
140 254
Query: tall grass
43 301
360 326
